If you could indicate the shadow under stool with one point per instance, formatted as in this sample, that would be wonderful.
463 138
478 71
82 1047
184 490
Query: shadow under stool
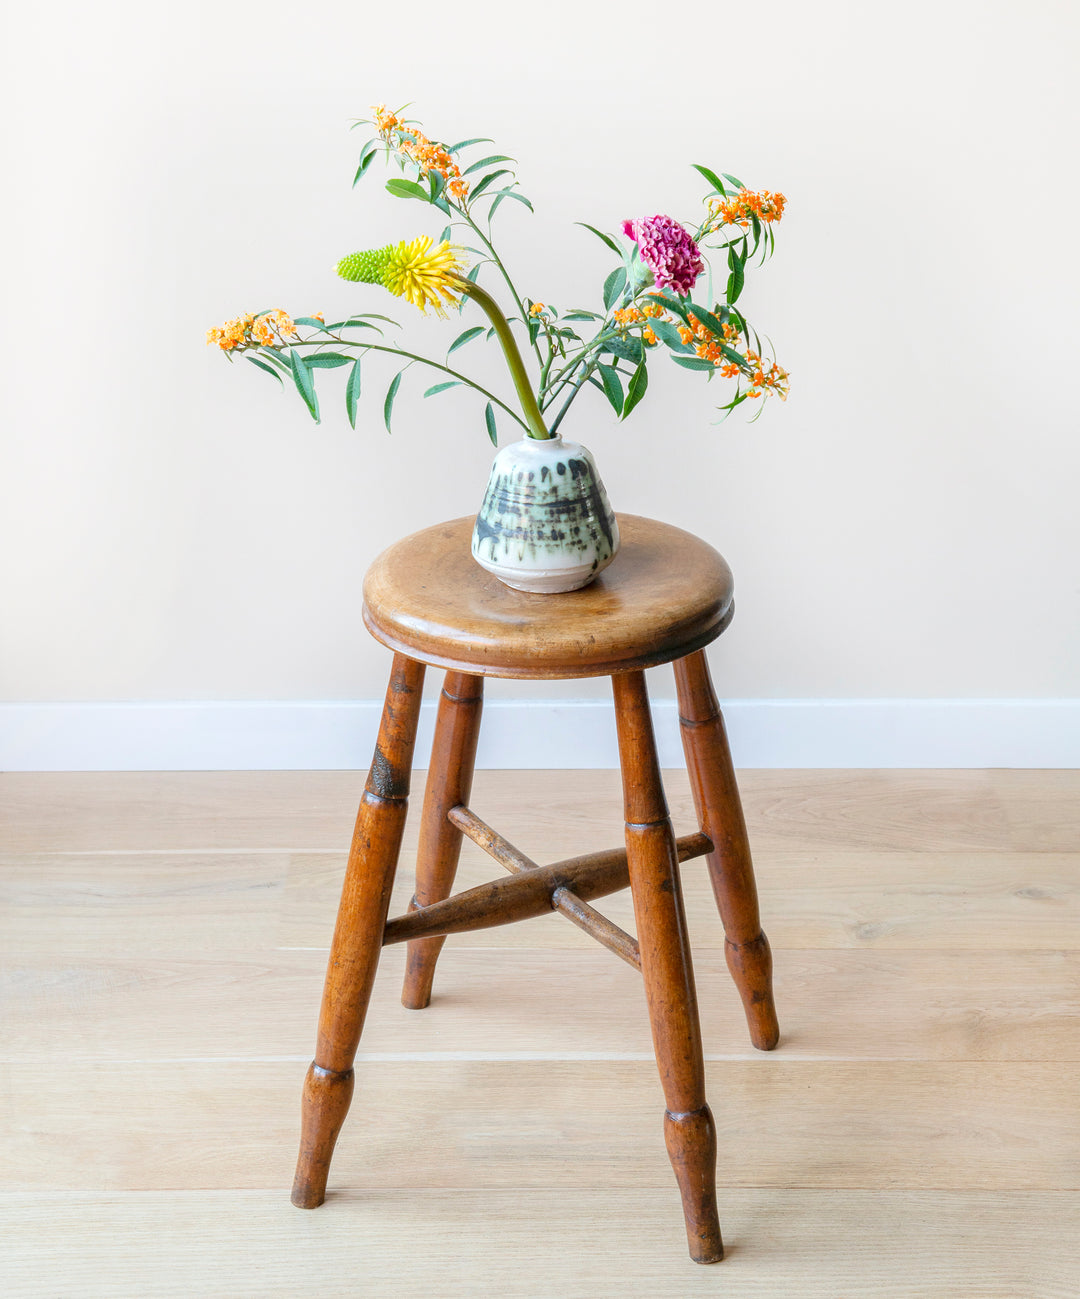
666 596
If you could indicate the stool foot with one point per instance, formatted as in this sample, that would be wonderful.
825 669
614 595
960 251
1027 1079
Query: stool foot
420 958
751 968
691 1146
325 1103
731 868
666 968
449 783
361 920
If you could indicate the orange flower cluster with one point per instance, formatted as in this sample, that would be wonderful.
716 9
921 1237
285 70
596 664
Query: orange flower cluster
636 315
747 203
707 346
271 329
411 143
234 333
774 379
536 309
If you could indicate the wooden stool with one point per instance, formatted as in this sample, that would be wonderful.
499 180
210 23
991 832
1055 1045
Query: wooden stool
666 596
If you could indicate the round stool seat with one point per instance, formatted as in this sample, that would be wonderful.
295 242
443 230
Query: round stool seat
666 594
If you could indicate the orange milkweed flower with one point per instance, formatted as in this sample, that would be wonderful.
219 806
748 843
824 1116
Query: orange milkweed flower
747 203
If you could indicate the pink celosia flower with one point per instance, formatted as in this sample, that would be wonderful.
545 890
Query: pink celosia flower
668 251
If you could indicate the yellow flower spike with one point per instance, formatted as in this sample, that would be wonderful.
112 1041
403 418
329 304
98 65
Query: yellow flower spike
424 275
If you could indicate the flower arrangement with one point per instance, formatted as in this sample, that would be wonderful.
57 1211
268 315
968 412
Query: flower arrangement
648 307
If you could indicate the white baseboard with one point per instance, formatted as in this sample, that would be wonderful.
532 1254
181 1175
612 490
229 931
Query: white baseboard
520 733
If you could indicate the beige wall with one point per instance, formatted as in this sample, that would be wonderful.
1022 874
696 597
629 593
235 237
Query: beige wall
173 528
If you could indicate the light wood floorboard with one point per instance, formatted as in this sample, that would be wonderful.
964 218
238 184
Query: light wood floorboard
842 1005
464 1244
574 1123
162 943
176 903
918 811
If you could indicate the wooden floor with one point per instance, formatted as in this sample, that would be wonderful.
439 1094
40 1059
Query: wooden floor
162 944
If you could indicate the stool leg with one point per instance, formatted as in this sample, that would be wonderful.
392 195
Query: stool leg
731 870
449 784
665 964
354 953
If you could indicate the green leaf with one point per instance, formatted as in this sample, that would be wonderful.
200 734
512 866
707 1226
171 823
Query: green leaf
510 193
305 384
407 189
679 307
711 176
464 144
436 185
665 330
737 276
309 322
352 392
489 179
446 234
738 360
579 313
464 338
442 387
367 156
734 180
707 319
327 360
613 390
391 393
489 419
613 287
268 354
604 238
353 324
268 368
486 162
628 348
357 321
737 400
693 363
639 382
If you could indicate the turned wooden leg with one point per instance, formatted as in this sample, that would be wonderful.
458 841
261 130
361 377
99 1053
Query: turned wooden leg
665 964
361 919
731 870
449 783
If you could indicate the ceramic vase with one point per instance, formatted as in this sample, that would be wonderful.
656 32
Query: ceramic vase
545 524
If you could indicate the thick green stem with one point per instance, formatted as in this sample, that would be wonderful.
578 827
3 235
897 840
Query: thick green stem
485 239
487 304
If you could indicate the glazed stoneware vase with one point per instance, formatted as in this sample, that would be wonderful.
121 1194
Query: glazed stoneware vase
545 524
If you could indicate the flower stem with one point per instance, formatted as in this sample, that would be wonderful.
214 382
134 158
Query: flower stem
566 405
487 304
414 356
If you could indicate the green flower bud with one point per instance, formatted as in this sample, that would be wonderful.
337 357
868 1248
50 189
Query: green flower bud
366 267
